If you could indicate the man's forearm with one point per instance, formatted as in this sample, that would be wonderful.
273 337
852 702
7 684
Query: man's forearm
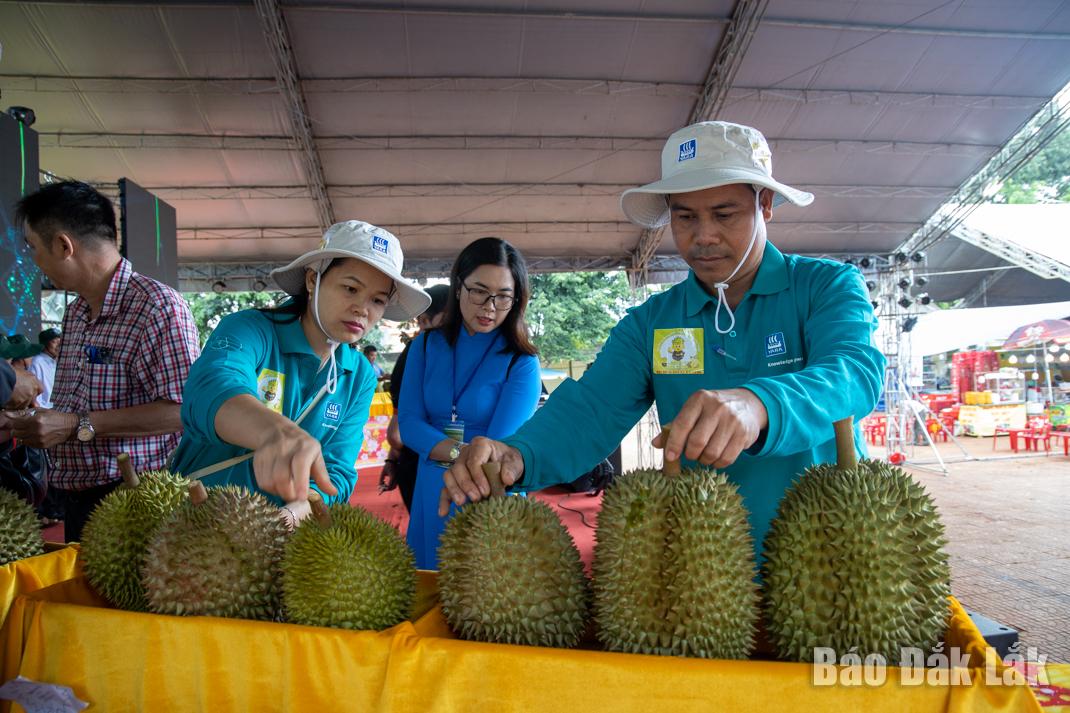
151 419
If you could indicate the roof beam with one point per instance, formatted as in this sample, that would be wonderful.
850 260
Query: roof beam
277 37
1040 265
508 85
274 142
373 8
732 47
1052 119
485 190
980 291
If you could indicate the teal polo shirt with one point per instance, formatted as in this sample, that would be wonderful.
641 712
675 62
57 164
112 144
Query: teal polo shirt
271 360
802 342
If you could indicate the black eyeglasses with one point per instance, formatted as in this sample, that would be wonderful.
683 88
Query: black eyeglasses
478 296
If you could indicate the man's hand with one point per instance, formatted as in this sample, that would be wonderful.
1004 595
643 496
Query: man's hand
44 428
26 389
286 459
465 481
714 427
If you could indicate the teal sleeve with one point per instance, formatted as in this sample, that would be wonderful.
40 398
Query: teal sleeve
583 421
416 431
226 368
844 372
340 451
517 399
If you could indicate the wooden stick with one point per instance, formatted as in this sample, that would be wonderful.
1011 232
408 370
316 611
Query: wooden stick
319 509
197 493
493 471
669 467
126 469
846 457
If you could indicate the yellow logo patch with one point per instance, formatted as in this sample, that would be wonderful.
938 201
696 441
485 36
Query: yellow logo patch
269 389
678 351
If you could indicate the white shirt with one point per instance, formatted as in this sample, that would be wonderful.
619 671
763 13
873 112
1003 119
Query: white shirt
43 366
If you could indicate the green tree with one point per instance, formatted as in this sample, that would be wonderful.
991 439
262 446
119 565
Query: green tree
1045 178
210 307
571 313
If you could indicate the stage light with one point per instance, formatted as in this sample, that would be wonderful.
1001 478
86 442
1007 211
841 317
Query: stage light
218 286
918 256
1064 357
865 262
1034 376
1049 358
1012 359
921 281
849 261
1054 349
924 299
904 284
1030 359
877 304
22 114
909 322
259 285
905 302
871 285
900 257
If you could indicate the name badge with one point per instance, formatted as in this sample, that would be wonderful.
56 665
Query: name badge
679 351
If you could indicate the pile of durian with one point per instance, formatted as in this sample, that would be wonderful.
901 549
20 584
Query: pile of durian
162 544
853 560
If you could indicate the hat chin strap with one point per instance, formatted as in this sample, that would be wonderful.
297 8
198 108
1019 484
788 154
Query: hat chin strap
332 344
722 301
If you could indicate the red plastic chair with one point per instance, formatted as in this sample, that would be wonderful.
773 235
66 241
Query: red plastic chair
1036 436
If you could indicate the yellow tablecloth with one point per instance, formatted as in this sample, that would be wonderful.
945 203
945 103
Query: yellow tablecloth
33 573
125 661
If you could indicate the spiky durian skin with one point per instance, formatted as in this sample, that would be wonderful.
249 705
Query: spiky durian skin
20 531
219 558
356 573
510 573
118 532
674 567
855 559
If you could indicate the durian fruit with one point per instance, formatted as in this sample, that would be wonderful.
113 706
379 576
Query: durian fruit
346 568
674 566
20 530
510 573
855 558
218 555
119 529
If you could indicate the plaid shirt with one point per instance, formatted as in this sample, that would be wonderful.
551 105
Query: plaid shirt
138 350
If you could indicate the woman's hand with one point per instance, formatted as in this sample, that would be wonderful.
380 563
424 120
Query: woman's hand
286 459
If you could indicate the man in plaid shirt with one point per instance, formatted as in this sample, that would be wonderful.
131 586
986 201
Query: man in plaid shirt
128 343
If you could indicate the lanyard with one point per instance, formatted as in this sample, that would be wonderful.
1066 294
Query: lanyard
464 387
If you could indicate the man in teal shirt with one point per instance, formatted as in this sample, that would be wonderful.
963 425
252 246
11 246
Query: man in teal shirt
749 360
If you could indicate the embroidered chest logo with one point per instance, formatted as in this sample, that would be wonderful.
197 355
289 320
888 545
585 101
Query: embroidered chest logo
678 351
269 389
774 344
380 244
333 411
688 149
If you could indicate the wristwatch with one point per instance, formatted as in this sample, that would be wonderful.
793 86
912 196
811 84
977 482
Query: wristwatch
455 451
85 432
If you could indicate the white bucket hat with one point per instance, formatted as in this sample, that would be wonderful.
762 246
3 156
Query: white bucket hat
707 155
369 244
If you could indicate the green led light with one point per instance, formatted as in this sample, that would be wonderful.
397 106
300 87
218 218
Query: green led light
22 150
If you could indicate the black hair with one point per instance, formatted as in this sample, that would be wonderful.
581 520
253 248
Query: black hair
70 207
439 296
491 251
294 308
368 348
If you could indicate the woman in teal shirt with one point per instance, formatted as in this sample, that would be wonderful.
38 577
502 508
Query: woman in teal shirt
280 397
